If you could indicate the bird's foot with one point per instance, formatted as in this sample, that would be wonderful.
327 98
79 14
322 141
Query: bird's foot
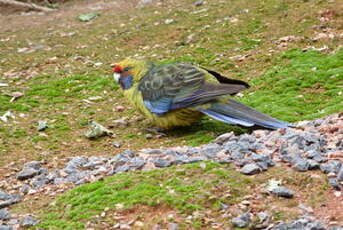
156 131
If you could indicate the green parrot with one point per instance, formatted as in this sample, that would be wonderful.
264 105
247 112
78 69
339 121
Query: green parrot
179 94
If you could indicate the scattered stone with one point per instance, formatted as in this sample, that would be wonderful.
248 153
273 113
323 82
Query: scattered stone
250 169
161 163
4 195
27 173
8 115
335 184
28 221
97 130
340 174
173 226
282 191
120 123
42 125
332 166
168 21
14 199
199 3
301 164
223 138
241 221
149 136
117 144
5 227
4 214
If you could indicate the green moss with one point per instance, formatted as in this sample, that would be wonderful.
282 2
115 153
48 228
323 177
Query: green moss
177 187
306 85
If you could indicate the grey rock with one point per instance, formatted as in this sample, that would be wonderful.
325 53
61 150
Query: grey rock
4 214
4 195
282 191
332 166
243 162
247 138
59 180
70 170
160 162
77 162
312 164
25 189
123 168
173 226
153 151
236 155
33 164
97 130
250 169
117 144
315 155
241 221
137 162
42 125
5 227
315 225
232 147
300 164
336 228
39 183
14 199
310 138
28 221
340 174
181 159
196 159
75 177
335 184
199 3
263 165
27 173
223 138
211 150
263 216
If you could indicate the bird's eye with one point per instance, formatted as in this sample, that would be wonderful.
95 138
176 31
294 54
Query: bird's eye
127 69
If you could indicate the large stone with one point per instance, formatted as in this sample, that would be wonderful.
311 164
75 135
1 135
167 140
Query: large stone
5 227
300 164
27 173
160 162
332 166
223 138
250 169
282 191
4 214
340 174
241 221
4 195
28 221
335 184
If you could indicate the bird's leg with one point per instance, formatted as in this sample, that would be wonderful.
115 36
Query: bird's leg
156 131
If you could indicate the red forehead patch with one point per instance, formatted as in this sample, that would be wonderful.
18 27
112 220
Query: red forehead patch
117 69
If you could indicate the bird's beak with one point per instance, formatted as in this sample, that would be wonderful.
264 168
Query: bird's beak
116 77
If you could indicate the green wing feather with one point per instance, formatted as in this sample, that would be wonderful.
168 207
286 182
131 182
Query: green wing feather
182 86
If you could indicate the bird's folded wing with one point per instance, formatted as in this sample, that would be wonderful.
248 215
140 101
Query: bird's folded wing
174 86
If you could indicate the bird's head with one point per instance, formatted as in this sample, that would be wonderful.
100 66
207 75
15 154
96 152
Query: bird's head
129 71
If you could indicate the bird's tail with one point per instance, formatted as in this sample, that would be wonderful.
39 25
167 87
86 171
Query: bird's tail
236 113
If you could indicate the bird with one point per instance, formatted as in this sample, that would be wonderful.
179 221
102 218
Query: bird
179 94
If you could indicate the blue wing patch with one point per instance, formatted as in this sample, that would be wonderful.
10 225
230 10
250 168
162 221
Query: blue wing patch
160 106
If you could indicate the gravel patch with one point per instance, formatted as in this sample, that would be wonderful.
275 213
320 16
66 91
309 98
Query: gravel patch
313 145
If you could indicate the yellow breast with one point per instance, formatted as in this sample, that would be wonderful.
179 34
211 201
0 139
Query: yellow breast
179 117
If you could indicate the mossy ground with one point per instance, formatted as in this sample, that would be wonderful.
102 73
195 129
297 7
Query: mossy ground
287 82
180 190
